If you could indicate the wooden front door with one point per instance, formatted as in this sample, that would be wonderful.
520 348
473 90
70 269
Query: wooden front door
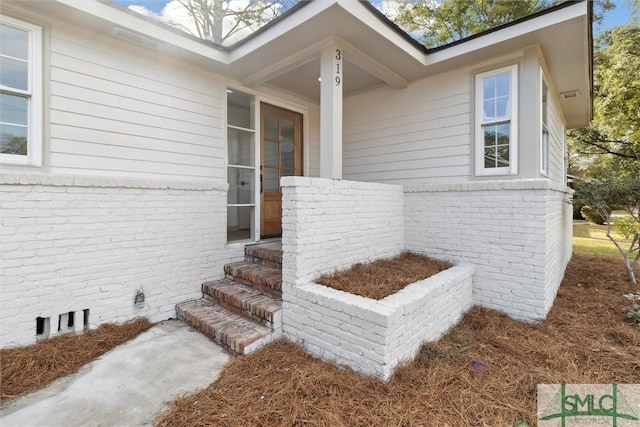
280 155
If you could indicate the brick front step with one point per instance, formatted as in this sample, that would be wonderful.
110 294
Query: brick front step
233 332
245 300
262 254
260 277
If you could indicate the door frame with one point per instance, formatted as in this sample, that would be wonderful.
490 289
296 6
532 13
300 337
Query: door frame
298 118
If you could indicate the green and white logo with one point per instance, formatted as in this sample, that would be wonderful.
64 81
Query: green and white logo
566 405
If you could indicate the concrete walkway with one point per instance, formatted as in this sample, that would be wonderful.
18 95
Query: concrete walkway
127 386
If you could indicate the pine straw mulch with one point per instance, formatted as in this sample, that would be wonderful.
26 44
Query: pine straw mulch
484 372
384 277
30 368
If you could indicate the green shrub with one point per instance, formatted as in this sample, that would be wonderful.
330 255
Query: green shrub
595 215
633 312
577 207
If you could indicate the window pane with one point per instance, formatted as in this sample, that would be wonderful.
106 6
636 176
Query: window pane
545 92
241 147
496 145
14 73
502 107
239 109
241 186
271 128
287 172
502 84
13 109
489 87
489 109
489 158
502 156
489 135
502 133
271 153
14 42
13 139
270 180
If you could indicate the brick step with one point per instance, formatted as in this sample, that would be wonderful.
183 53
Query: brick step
260 277
245 300
233 332
264 254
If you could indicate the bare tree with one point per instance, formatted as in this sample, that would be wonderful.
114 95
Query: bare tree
209 16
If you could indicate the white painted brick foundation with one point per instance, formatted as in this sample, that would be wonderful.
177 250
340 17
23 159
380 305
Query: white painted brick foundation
371 336
74 243
516 232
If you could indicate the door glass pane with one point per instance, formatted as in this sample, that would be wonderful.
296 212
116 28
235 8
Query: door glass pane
271 153
241 186
240 222
241 147
287 172
287 145
271 128
270 180
239 109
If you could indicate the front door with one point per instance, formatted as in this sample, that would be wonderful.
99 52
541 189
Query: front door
280 155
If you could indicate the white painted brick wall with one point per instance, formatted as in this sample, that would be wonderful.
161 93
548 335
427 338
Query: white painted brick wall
370 336
72 243
516 232
558 238
331 224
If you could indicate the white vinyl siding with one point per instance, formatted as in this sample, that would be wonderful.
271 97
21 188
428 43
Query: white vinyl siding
557 150
21 92
120 110
496 125
420 134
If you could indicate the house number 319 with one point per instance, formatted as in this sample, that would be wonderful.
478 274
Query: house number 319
338 62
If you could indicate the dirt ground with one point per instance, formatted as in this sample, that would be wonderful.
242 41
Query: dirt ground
29 368
484 372
384 277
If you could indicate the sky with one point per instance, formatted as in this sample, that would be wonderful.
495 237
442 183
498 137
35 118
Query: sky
621 14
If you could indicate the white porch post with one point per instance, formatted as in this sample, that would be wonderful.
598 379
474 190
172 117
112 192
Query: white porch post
331 81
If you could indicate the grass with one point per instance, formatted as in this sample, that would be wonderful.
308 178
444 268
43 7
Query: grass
484 372
589 238
29 368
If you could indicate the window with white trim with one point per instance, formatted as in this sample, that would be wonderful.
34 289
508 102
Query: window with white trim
496 121
544 114
20 92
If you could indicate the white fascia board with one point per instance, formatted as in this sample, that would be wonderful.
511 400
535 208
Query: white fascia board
140 25
360 12
576 10
282 27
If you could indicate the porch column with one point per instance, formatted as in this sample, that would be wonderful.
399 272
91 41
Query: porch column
331 81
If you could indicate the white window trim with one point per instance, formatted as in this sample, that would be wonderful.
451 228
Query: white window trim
34 125
512 169
544 162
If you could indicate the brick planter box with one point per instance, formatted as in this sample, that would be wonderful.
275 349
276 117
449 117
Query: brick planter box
374 336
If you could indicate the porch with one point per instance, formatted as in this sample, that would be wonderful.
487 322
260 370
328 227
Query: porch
501 235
